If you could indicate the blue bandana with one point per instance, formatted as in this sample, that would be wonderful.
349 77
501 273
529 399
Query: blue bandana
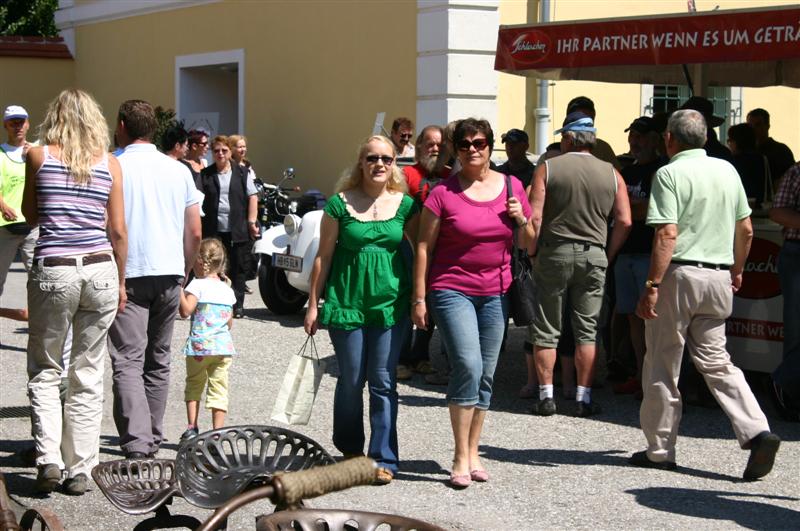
577 121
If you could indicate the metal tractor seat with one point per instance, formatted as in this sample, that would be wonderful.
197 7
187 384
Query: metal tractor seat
208 470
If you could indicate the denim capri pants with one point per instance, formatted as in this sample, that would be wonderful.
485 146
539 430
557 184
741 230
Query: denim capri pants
471 328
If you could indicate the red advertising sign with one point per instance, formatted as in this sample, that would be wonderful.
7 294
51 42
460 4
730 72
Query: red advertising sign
760 278
754 329
734 36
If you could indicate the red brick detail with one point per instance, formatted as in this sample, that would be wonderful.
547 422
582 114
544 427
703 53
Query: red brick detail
44 47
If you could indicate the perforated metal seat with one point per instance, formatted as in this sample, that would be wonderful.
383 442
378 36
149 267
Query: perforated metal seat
339 520
219 464
137 486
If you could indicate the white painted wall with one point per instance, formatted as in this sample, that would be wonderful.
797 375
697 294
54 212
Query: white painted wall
456 42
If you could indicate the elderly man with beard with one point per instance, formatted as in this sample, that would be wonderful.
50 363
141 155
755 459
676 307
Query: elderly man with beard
428 171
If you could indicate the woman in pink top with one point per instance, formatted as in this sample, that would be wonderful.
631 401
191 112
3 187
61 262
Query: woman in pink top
463 272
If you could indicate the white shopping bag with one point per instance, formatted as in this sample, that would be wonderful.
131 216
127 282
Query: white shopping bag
300 386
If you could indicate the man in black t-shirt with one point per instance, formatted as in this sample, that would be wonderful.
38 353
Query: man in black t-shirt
633 261
779 156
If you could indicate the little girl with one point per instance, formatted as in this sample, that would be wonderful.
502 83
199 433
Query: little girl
210 346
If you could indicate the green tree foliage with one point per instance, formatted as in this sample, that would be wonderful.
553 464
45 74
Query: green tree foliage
166 119
28 17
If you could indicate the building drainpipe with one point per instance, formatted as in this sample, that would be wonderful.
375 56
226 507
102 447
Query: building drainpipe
542 112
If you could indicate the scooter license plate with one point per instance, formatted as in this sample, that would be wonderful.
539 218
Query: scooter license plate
288 262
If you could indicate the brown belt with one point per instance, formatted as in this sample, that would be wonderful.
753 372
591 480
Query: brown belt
88 259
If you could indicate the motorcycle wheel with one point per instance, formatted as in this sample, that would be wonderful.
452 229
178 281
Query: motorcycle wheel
279 296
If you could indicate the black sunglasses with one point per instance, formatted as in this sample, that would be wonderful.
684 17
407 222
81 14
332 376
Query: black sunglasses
478 143
406 136
373 159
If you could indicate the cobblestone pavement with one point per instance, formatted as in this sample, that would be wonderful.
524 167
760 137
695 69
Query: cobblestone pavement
557 472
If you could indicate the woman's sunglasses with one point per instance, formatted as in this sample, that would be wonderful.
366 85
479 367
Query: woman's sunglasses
478 143
373 159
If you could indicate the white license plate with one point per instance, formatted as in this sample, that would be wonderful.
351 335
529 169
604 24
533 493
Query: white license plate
288 262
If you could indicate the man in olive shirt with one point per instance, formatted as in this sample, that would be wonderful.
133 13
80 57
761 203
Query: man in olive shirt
572 198
699 210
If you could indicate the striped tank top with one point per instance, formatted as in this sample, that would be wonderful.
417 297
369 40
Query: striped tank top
72 217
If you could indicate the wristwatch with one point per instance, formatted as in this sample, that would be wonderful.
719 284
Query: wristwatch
651 284
523 222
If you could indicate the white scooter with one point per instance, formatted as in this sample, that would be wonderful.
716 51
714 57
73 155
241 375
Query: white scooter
287 250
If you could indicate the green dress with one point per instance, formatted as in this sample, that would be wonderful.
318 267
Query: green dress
369 283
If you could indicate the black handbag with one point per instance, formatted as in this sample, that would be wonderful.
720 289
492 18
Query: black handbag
18 229
521 293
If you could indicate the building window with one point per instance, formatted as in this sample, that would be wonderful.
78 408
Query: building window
727 103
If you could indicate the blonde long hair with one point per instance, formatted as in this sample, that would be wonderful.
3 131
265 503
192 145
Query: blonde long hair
352 177
75 122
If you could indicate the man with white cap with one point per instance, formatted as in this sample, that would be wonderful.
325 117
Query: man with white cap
15 234
572 198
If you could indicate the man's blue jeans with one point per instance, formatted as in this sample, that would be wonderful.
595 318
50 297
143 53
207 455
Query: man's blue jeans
787 375
367 354
471 328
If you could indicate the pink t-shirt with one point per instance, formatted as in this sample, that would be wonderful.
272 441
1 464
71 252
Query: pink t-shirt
472 254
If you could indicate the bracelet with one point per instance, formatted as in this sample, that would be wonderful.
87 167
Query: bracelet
254 223
418 301
523 223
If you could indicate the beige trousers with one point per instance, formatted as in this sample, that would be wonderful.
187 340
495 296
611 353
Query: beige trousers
692 306
85 298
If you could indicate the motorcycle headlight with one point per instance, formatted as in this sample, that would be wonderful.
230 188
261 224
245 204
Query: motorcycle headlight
291 224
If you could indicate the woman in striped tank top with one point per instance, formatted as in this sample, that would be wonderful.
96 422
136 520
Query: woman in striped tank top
73 191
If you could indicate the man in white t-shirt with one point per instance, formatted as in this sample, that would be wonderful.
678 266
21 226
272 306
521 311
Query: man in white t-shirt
163 218
15 234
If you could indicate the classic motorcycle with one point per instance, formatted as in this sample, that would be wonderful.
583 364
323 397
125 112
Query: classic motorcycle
289 244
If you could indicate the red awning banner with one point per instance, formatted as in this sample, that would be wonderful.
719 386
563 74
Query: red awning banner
580 49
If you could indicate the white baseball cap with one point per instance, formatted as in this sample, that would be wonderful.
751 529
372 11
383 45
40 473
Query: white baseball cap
15 111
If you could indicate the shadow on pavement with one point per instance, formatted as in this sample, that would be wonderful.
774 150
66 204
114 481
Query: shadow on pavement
718 506
550 457
421 470
263 315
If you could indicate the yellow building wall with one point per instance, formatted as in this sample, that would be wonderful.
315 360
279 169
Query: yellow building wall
618 104
33 83
316 72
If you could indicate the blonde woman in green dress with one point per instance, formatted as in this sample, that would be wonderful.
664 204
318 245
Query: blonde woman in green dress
367 286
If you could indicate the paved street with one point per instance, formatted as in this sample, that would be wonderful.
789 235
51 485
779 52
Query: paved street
558 472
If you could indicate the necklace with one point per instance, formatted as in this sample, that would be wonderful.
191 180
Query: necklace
375 210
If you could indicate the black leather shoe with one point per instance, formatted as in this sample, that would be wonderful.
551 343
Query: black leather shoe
582 409
763 448
641 460
544 408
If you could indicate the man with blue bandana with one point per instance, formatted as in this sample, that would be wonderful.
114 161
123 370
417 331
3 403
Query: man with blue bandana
572 197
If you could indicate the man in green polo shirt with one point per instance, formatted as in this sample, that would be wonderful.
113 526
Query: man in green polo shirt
14 232
699 210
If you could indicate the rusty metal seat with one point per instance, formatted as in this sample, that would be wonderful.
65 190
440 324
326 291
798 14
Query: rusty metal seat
339 520
139 486
219 464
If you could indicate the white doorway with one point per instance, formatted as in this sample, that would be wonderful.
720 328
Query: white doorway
209 91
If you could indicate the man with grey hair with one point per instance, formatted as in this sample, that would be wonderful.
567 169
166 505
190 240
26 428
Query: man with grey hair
572 198
699 210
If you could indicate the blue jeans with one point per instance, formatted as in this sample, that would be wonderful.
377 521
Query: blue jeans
367 354
787 375
471 329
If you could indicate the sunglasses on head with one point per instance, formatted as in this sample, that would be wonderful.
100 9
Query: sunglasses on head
373 159
478 144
